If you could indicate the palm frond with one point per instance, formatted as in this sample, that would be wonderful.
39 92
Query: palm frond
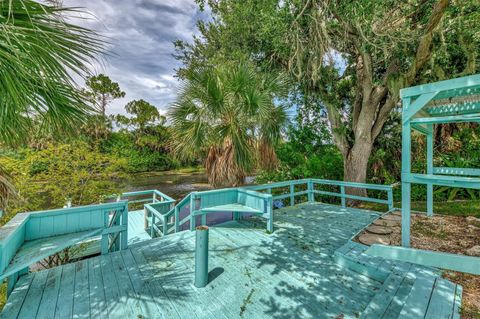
39 54
222 113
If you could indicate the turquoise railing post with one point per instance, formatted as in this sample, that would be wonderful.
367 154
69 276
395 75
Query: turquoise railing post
292 196
12 280
192 211
152 229
201 256
124 233
177 219
390 199
430 169
165 226
310 191
269 212
342 191
105 237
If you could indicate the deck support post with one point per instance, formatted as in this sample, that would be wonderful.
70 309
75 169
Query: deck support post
430 169
201 256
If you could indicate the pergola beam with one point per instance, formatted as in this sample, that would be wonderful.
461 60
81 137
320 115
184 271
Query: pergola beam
447 85
417 105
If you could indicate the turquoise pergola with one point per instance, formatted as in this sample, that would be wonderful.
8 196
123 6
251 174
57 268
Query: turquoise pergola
452 101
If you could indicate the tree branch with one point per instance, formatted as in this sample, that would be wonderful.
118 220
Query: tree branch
335 119
424 51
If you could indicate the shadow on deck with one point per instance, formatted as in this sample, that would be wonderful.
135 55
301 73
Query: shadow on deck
292 273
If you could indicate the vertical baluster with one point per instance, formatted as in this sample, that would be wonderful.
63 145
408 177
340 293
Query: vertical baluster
310 191
152 228
124 234
292 197
342 191
177 217
390 199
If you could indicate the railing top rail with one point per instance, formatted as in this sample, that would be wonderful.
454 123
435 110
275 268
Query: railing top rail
13 226
213 191
353 184
254 193
319 181
147 192
75 209
276 184
20 219
184 199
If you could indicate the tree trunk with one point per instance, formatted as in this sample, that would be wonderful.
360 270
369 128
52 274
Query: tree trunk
355 167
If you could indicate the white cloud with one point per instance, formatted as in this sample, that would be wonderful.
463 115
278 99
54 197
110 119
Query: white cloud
140 35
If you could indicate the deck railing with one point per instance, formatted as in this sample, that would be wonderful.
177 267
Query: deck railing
30 237
169 218
310 187
149 196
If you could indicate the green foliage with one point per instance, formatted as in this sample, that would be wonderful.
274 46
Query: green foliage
148 153
50 177
226 114
39 53
102 90
144 114
348 59
305 155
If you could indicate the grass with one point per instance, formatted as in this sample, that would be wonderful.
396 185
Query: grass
452 208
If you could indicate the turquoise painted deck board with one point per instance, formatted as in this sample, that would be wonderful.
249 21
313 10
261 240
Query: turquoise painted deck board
421 293
136 227
291 273
467 264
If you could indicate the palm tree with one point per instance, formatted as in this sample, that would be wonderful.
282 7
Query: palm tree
40 52
227 115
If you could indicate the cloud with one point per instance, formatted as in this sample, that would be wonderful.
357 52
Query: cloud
140 35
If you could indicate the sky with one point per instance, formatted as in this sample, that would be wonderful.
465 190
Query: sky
140 35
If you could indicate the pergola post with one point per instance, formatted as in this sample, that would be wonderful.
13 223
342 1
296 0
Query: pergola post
406 186
430 169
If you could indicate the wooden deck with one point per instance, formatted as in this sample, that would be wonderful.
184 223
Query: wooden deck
136 227
292 273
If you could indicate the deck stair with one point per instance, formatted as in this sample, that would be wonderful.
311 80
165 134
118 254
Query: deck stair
166 218
408 291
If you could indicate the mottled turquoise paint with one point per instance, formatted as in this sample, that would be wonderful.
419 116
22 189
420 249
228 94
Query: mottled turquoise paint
461 263
201 256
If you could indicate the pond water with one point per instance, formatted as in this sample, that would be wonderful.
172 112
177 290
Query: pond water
175 184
